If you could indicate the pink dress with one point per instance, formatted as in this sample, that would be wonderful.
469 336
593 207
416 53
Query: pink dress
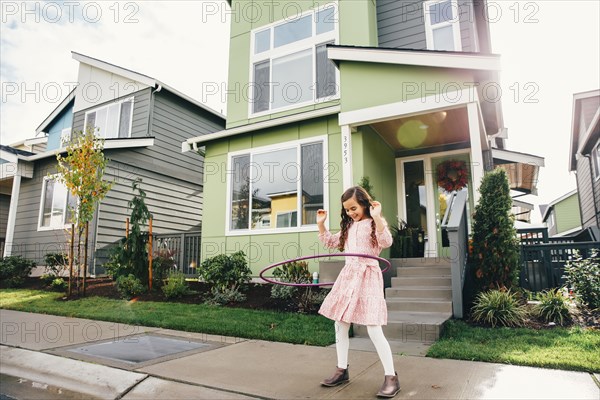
357 295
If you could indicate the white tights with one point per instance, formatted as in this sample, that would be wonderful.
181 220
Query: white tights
375 333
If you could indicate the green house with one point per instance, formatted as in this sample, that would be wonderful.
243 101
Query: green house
562 215
324 93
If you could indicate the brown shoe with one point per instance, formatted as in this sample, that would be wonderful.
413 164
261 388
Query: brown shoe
340 376
390 386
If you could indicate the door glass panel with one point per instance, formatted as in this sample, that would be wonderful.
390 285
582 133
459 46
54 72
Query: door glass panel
415 195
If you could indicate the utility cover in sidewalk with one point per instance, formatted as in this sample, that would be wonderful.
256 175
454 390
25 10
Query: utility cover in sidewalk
137 349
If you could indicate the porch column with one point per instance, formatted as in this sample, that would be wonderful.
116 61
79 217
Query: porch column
346 156
476 150
12 214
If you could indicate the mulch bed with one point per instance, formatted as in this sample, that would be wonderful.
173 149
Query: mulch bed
258 296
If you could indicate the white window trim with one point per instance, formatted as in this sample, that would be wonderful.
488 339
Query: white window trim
290 213
64 225
132 99
266 149
454 23
287 50
65 137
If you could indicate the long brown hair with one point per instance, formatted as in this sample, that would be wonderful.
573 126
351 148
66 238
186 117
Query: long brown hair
364 200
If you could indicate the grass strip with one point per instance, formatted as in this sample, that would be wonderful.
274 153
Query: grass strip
236 322
573 349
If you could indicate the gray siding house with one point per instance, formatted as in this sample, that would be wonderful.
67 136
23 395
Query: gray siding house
144 122
584 157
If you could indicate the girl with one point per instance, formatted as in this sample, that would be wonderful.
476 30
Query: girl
357 295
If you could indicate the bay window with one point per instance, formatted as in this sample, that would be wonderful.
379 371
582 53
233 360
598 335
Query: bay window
276 187
289 62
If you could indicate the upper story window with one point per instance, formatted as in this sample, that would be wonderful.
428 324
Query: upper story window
442 25
289 64
56 206
112 121
276 187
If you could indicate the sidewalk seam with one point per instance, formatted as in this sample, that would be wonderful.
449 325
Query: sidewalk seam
130 388
218 389
595 379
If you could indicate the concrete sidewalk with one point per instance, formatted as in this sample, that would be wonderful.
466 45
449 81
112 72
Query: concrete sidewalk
46 352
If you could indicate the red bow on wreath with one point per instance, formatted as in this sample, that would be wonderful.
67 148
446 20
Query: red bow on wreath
452 175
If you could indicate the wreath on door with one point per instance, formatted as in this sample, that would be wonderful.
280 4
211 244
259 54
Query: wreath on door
452 175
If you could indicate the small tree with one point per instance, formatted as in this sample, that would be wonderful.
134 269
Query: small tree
131 256
365 183
81 171
495 244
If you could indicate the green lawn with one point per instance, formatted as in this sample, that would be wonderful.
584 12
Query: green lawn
572 349
562 348
235 322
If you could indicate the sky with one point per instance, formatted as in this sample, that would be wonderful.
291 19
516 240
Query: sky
549 50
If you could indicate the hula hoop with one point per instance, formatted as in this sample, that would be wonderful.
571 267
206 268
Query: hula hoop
388 266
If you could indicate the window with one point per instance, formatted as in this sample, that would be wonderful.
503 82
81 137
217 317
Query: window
289 62
56 205
276 187
442 25
112 121
65 137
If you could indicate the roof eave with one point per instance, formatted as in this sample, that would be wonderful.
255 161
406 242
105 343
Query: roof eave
423 58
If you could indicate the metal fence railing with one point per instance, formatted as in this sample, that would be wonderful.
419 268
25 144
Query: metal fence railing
183 248
543 259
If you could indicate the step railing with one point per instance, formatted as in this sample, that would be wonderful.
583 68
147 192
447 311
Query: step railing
455 235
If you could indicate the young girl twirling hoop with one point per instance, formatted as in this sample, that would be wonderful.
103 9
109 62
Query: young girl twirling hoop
357 295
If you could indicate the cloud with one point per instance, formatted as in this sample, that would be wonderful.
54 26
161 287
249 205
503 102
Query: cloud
164 40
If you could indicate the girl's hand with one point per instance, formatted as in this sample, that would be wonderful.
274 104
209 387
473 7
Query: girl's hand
375 209
321 216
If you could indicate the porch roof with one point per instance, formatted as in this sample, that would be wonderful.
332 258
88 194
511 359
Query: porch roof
484 68
192 144
522 169
426 58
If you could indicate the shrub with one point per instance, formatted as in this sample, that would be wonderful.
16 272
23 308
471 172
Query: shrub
311 299
294 272
225 272
495 257
56 263
583 276
297 272
129 286
59 284
47 279
552 307
175 286
498 307
225 296
14 270
162 264
130 256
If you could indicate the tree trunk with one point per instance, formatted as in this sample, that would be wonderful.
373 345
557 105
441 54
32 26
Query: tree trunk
71 254
85 256
78 257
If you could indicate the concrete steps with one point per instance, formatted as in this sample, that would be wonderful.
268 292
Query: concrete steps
423 327
419 301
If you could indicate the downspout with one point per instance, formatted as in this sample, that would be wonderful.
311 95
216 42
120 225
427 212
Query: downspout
593 190
151 113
